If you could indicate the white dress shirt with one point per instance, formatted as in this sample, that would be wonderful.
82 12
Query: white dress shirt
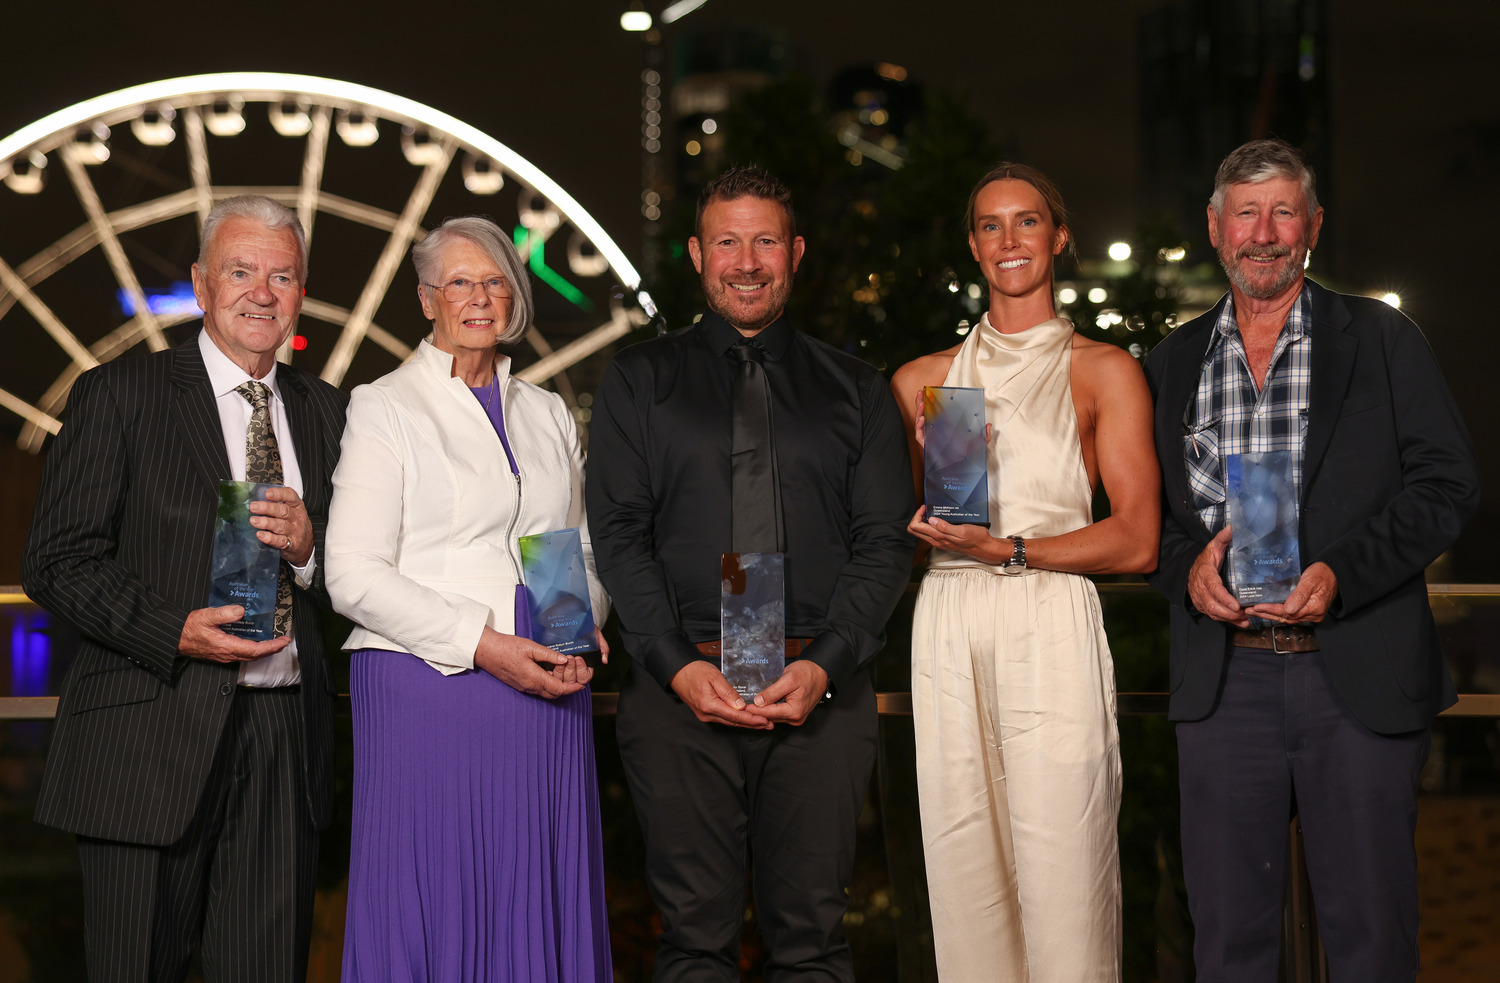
281 669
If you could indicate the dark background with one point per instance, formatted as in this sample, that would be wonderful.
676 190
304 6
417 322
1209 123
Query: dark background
1109 98
1410 150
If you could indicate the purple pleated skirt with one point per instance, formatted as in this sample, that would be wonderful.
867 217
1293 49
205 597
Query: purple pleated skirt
475 853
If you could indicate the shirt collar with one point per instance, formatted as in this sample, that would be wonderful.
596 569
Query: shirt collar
722 336
223 375
1295 327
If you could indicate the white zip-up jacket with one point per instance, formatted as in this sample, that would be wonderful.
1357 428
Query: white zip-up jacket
421 544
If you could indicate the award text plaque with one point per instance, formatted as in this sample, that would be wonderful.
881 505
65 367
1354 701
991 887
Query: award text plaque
955 463
752 621
1263 511
557 591
244 570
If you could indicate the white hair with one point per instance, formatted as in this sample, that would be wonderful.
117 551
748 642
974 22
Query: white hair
272 214
427 257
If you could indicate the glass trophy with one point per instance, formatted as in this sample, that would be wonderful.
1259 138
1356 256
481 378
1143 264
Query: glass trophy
244 569
1262 501
955 465
557 591
752 625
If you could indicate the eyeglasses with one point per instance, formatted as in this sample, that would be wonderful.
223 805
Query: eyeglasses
461 288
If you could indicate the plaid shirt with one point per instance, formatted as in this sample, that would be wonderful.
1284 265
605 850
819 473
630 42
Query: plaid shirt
1230 417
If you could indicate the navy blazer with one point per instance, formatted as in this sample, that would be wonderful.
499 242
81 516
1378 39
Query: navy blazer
1389 479
119 548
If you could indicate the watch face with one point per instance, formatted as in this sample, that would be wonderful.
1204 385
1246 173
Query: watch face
1013 567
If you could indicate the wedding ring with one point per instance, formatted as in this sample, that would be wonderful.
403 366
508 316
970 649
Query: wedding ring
288 543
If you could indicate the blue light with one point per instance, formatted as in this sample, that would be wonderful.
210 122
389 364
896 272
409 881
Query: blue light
178 299
30 654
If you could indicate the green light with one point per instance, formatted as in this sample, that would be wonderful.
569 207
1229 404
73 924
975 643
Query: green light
544 273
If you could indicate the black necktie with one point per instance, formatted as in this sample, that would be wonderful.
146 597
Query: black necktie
263 465
755 487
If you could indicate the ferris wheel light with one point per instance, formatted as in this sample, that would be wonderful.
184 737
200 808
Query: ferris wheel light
680 9
226 119
274 88
481 176
290 120
28 182
419 154
356 129
158 131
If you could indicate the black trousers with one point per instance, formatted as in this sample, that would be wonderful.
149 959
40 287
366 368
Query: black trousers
1281 741
240 880
712 798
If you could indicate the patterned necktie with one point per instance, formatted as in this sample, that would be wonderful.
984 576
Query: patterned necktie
755 485
263 465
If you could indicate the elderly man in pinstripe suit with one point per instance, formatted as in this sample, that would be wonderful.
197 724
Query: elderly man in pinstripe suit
193 764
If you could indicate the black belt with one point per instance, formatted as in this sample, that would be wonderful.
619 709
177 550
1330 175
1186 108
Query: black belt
1281 639
794 647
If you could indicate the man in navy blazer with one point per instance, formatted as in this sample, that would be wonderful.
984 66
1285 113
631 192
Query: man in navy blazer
1320 704
193 764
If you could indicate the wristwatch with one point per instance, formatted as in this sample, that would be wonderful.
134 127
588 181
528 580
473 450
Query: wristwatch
1017 562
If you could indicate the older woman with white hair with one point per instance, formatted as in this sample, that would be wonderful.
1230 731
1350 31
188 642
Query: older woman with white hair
476 847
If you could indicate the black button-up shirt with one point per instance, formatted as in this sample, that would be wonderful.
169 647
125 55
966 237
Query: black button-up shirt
658 493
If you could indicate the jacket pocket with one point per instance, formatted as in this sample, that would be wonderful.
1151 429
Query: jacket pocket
113 688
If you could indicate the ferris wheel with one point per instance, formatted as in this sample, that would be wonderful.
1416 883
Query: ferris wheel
102 202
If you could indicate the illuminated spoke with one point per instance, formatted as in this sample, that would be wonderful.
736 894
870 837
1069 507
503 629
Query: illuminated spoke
44 316
559 379
192 121
576 351
76 141
112 345
33 417
312 170
113 251
385 267
307 193
86 237
333 314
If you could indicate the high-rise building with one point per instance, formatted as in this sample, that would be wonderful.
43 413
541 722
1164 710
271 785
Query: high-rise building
1216 73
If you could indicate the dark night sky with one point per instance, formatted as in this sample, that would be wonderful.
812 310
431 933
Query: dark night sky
1415 118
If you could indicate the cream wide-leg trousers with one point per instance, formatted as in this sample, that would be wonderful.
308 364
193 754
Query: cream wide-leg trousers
1018 769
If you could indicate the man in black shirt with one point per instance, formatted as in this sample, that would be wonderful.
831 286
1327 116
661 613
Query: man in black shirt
716 779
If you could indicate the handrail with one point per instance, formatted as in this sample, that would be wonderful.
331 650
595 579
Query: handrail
886 704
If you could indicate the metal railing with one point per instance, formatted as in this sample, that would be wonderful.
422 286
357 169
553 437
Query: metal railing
888 704
1305 961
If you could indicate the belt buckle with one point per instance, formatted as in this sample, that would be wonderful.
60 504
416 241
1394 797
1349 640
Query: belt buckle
1276 640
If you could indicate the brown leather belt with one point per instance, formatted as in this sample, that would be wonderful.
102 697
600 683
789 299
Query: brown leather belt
794 647
1281 639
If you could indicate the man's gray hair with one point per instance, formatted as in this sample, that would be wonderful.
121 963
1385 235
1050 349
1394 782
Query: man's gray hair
1262 160
427 257
272 214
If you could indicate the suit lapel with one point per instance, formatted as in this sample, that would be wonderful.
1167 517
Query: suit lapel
197 416
1333 351
1179 384
300 416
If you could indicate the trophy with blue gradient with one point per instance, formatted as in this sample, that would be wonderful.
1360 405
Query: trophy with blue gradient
752 624
244 570
557 591
955 465
1264 557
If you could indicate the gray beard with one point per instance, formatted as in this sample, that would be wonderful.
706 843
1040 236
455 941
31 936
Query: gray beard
1288 276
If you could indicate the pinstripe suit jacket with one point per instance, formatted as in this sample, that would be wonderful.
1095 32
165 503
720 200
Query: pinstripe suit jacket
119 547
